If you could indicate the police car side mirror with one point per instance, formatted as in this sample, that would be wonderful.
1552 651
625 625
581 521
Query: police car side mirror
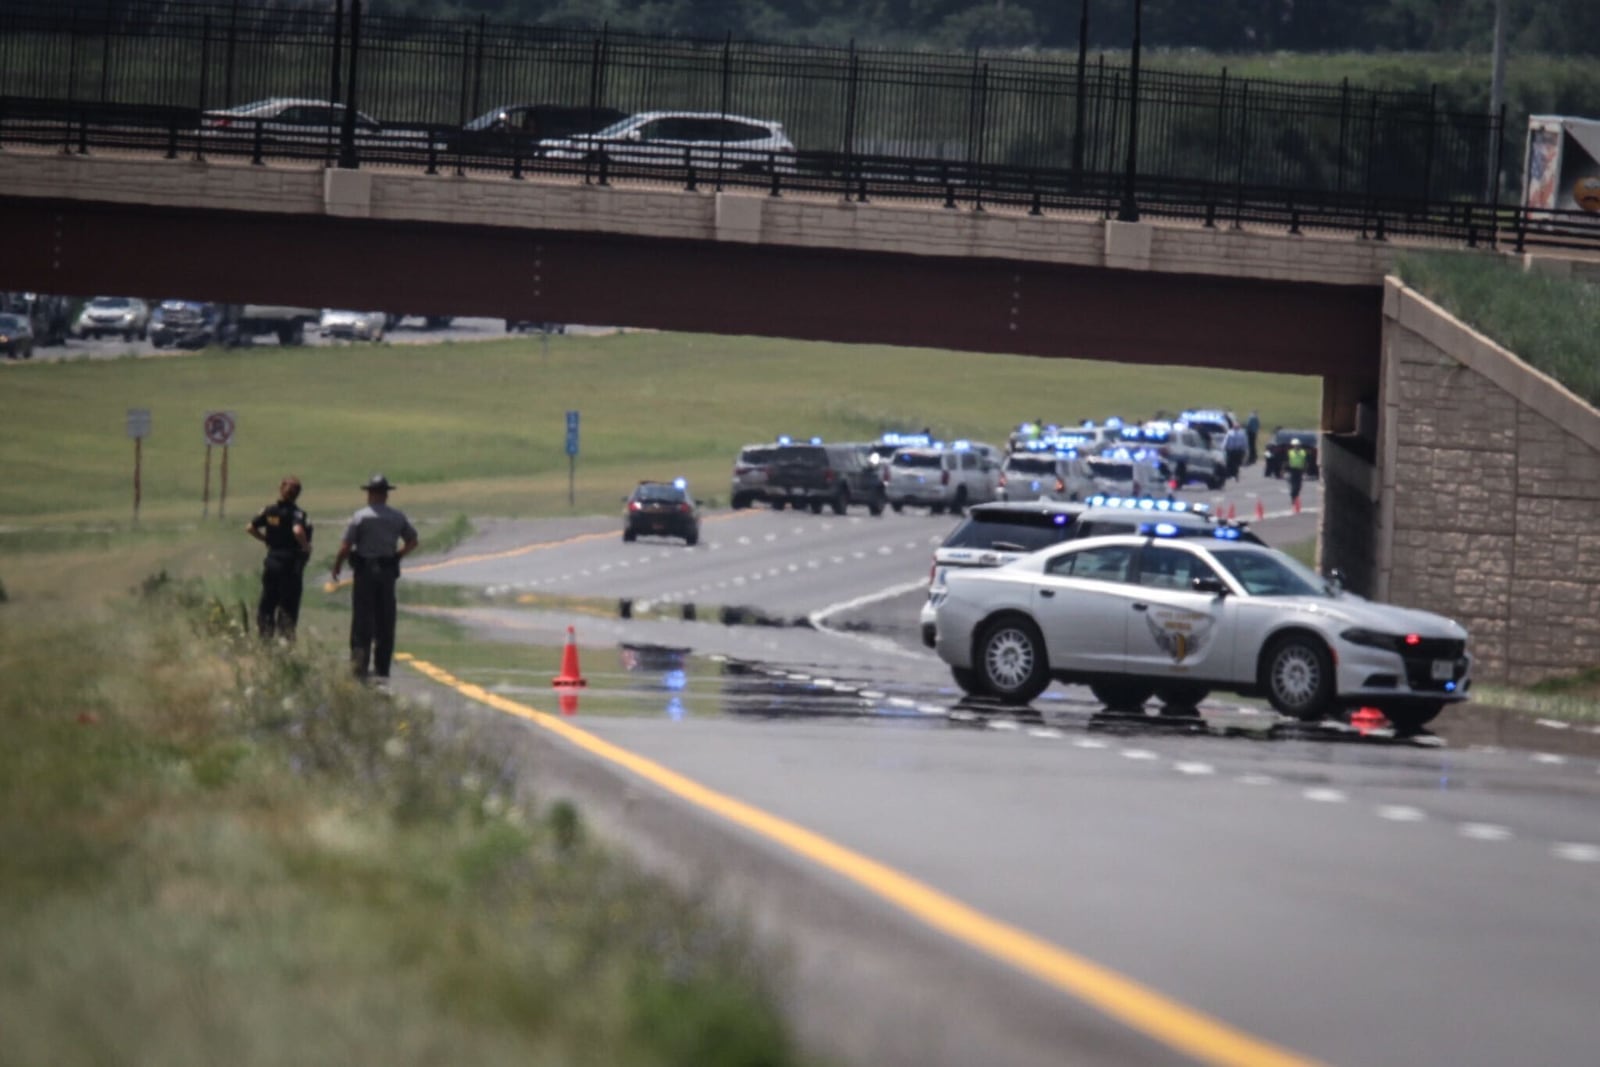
1209 583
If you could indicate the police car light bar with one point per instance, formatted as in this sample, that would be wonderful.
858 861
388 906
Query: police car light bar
1226 533
784 439
1158 529
680 483
816 440
908 439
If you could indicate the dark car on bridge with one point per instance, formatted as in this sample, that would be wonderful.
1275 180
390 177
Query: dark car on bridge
1275 457
517 129
183 324
664 509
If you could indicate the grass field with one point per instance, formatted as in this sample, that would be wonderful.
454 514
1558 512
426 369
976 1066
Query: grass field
480 428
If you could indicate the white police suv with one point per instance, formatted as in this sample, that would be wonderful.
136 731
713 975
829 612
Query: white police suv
1036 472
1123 471
941 476
1135 616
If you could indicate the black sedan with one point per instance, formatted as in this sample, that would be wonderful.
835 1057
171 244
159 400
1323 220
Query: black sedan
662 508
517 129
1275 456
16 337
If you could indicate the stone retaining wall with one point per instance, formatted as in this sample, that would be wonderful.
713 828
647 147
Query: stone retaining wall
1489 494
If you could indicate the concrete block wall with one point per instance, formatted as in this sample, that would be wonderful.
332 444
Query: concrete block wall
1350 496
1489 495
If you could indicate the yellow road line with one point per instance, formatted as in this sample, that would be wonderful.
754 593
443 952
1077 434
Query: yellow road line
1187 1030
511 553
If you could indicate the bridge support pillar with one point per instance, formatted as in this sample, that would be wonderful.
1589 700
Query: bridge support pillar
347 193
1349 404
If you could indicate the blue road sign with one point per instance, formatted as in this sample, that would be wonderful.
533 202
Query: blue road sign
572 433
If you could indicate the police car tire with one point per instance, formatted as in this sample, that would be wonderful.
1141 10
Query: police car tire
969 681
740 501
1412 717
778 503
935 509
1023 635
841 503
1216 481
629 535
875 508
1122 695
898 507
691 539
816 507
1181 699
1309 651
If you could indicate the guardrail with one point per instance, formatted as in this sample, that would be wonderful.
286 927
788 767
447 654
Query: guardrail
172 132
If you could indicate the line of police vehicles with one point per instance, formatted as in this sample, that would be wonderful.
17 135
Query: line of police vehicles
900 470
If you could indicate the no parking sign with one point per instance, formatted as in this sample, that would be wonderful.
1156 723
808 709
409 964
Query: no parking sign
218 428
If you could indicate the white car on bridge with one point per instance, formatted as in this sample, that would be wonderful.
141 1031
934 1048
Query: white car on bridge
707 140
1135 616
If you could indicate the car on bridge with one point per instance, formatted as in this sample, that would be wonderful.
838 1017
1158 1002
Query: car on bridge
1142 615
301 122
663 509
524 129
352 325
707 140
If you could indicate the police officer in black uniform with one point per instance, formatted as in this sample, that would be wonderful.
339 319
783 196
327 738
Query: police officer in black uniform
375 542
286 531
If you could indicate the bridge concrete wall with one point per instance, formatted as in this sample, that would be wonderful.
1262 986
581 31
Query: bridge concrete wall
745 215
1488 494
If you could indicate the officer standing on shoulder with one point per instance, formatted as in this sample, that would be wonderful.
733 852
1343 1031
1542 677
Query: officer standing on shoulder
1252 428
375 542
1233 447
286 531
1295 460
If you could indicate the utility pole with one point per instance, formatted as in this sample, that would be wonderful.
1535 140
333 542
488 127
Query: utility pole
1497 98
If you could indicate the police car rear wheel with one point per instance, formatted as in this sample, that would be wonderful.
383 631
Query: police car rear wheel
816 507
1011 660
898 507
1181 699
1299 677
629 535
876 507
969 681
841 503
1122 696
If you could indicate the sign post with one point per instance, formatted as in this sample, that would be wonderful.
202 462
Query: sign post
218 428
572 456
138 429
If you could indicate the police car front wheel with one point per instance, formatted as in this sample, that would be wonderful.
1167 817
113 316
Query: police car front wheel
1298 677
1011 660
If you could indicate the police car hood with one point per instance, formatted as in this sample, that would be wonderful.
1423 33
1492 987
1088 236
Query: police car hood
1348 610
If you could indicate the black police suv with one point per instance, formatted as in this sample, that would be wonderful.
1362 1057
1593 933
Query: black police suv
663 509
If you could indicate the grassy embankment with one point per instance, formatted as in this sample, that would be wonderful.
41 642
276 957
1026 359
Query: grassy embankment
1552 323
212 852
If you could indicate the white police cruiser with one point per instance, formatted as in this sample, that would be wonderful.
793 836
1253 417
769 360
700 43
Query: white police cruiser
1043 471
996 534
1125 471
1186 454
941 476
1135 616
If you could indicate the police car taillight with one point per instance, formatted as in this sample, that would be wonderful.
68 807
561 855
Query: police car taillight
1002 481
684 508
1060 485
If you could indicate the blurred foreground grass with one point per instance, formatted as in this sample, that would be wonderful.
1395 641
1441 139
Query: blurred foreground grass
214 851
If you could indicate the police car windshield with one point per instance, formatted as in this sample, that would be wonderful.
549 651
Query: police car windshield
10 322
1271 574
1016 531
757 455
659 493
1031 465
918 459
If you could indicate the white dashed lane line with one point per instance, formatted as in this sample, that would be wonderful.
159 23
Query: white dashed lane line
1401 813
1483 831
1577 853
1325 796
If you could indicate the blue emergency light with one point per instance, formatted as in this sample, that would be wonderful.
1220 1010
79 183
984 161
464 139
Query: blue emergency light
1226 533
783 439
680 483
816 440
1158 529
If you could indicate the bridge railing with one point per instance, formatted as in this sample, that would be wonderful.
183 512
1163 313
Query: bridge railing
965 130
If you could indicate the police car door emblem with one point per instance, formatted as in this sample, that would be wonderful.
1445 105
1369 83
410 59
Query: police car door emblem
1180 634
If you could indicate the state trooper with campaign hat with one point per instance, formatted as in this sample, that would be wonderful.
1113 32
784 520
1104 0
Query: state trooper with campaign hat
376 540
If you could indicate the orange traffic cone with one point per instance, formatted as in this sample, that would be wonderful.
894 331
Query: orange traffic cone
1233 512
570 677
1261 511
1367 718
569 703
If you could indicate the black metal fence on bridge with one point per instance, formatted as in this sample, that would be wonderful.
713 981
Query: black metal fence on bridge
1039 130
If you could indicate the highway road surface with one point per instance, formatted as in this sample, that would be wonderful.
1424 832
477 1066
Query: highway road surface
1057 885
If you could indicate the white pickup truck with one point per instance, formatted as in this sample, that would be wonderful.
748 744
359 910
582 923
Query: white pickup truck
241 324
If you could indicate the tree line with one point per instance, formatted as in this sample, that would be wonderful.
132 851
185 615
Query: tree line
1550 27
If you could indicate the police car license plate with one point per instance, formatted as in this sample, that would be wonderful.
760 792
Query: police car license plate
1444 670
